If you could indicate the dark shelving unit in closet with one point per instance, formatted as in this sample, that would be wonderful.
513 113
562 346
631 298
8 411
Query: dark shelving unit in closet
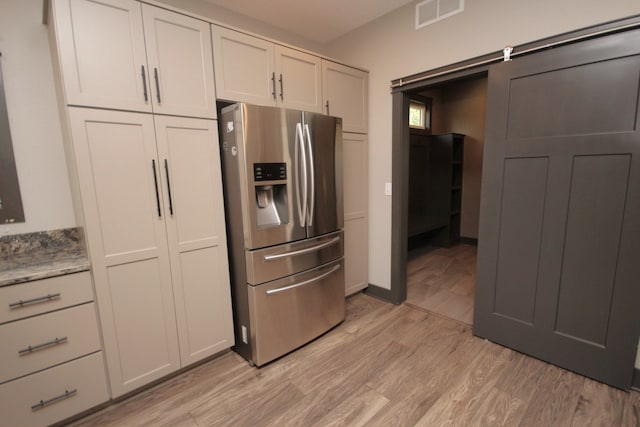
435 188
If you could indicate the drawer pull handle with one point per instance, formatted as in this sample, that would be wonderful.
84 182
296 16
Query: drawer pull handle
306 282
303 251
22 303
33 348
43 403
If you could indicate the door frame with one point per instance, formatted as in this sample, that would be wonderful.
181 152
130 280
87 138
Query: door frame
400 175
401 90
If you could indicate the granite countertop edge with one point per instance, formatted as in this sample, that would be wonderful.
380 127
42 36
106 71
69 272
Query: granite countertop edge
43 255
46 273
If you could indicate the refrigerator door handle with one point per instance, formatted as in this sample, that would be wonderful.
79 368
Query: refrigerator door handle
300 152
311 175
302 251
306 282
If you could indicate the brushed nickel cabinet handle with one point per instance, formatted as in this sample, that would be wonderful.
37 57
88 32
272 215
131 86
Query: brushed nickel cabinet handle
43 403
281 89
144 85
327 106
273 82
155 181
33 348
166 171
22 303
155 76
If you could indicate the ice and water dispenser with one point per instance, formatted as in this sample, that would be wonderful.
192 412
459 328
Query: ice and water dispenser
272 205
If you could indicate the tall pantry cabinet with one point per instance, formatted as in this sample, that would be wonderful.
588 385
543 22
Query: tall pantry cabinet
149 185
345 94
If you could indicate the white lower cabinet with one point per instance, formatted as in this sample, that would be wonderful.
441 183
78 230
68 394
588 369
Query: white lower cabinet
195 224
150 189
52 395
356 218
36 343
52 364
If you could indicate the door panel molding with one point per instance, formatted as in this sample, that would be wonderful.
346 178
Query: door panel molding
580 219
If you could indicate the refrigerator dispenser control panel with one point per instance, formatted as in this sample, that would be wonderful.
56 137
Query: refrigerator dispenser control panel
269 171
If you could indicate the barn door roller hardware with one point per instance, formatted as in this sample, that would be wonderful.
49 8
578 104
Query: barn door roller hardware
507 53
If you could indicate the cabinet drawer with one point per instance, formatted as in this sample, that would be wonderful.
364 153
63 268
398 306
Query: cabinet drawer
20 400
75 329
41 296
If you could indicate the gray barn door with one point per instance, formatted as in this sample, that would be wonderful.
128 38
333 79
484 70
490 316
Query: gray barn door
559 245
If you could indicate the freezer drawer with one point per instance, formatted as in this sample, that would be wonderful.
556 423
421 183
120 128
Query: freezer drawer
290 312
268 264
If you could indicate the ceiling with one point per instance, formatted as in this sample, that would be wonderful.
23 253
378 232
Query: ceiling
317 20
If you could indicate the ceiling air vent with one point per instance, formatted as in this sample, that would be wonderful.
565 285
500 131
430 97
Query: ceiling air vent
430 11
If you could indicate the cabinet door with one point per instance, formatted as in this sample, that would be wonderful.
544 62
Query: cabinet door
345 94
118 171
102 53
244 67
356 206
192 187
180 63
299 77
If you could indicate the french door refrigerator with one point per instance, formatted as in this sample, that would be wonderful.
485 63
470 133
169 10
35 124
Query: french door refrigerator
282 174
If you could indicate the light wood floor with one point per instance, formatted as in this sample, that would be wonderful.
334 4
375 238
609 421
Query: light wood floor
386 365
442 280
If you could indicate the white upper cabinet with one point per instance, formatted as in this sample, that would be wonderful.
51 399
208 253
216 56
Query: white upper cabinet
345 94
180 64
250 69
102 53
299 77
244 67
105 62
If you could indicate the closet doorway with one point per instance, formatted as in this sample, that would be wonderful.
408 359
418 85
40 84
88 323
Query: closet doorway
445 171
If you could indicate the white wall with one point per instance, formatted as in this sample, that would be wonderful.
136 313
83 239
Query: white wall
391 48
228 17
33 118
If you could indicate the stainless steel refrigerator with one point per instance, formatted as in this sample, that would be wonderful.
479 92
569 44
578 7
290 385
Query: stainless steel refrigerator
282 174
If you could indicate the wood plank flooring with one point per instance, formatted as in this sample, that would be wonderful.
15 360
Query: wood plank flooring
385 365
442 280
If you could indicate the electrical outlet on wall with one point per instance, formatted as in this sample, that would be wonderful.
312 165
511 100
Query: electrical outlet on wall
387 188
